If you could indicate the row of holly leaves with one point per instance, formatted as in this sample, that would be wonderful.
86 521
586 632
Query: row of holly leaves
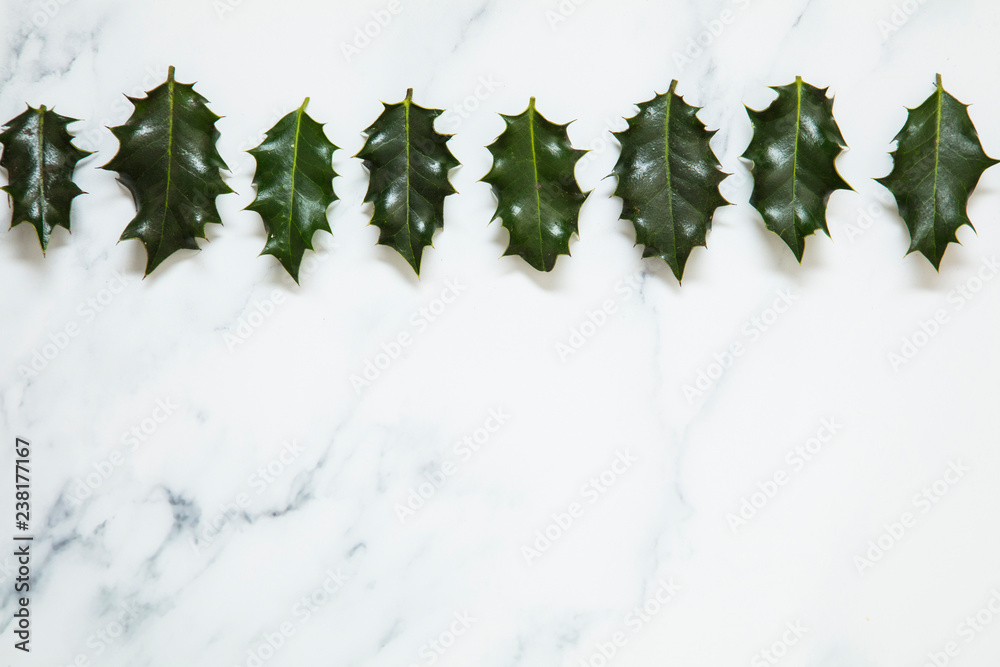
668 176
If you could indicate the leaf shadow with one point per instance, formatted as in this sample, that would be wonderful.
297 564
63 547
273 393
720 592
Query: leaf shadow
555 280
28 251
919 271
549 281
625 229
389 255
780 255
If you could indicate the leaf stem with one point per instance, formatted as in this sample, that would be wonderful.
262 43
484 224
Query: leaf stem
170 74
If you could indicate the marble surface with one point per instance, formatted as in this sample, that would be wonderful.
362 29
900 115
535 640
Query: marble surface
589 467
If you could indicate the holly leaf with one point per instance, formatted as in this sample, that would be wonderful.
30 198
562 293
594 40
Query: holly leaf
294 181
538 198
936 165
795 142
668 178
169 162
40 157
409 163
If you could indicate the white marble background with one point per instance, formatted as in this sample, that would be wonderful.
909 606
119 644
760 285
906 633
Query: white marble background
210 489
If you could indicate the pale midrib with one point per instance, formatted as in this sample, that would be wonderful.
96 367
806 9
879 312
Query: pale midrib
170 153
795 150
41 163
406 121
666 156
538 195
937 158
295 166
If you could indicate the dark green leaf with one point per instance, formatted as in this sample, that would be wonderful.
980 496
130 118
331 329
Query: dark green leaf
409 163
937 164
668 178
795 142
168 160
538 198
39 157
294 180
